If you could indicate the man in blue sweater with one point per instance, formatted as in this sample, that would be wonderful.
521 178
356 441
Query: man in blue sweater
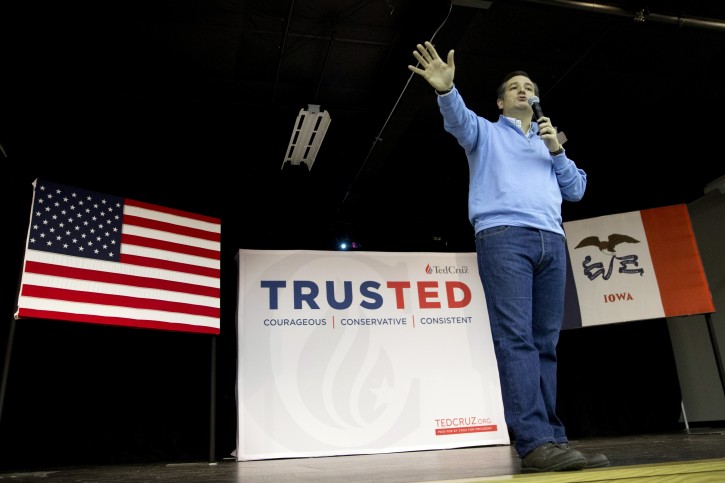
519 176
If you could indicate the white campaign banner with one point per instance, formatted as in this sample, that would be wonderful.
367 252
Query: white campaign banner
344 353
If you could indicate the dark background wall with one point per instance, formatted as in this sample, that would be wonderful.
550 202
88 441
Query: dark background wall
190 105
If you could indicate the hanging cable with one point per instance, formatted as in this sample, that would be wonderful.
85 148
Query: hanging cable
380 133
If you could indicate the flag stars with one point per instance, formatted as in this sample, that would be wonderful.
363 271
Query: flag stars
63 217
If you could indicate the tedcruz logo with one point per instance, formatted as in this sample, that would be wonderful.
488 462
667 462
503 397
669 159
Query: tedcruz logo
444 269
608 247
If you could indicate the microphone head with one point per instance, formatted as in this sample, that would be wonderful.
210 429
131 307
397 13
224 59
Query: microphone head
535 107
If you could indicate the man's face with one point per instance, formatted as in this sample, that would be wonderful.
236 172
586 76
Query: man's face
516 97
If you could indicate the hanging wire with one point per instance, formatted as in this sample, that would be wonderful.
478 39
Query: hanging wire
390 115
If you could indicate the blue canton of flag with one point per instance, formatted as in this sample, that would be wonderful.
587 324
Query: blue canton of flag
78 222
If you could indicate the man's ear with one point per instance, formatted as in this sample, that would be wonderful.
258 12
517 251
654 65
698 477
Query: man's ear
499 103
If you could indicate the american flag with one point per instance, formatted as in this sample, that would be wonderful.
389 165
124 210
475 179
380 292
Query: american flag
96 258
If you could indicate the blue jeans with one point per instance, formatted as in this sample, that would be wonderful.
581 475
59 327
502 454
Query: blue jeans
523 272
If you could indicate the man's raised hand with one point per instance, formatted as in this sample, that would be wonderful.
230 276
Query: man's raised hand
439 74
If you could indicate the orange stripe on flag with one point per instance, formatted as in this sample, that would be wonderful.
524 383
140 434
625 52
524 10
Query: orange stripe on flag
676 259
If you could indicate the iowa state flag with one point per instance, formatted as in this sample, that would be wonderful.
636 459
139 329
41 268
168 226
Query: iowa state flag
96 258
634 266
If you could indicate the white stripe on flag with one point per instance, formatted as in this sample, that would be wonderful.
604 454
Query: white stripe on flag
120 312
120 268
128 249
123 290
170 218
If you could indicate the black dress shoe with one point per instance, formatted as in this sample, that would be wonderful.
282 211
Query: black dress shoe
552 457
596 460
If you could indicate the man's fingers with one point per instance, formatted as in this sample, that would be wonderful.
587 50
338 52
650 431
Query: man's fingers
420 59
431 50
427 51
427 54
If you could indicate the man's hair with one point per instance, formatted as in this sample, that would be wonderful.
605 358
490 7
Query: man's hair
502 87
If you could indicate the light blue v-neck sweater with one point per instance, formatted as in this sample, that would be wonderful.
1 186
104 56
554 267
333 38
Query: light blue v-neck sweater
514 180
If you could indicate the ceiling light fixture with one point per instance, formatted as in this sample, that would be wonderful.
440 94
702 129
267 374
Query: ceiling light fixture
472 3
307 135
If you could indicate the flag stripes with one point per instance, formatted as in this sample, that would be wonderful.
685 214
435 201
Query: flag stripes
138 322
61 272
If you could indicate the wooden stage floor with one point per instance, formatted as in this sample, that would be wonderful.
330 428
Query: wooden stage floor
686 456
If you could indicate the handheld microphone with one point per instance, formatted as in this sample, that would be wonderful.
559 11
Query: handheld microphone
534 103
